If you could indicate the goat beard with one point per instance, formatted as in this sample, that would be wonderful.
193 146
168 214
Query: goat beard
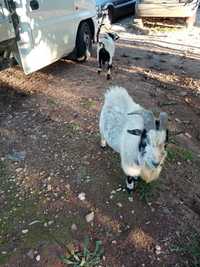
149 174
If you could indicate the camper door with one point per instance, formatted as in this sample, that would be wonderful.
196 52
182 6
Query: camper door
46 31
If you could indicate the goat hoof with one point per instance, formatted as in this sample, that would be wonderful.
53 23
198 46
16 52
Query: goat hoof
129 191
99 72
108 77
131 183
103 147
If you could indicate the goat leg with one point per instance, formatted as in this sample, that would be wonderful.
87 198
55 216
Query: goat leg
131 183
109 71
100 68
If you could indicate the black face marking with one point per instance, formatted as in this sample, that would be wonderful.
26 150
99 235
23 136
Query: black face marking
143 141
135 132
157 124
104 56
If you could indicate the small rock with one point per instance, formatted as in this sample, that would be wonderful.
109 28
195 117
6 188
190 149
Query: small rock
89 217
19 170
130 199
182 93
49 187
67 186
113 192
188 135
119 189
114 242
25 231
30 254
74 227
119 205
34 222
50 222
81 196
157 250
132 211
37 258
166 210
17 155
3 252
177 120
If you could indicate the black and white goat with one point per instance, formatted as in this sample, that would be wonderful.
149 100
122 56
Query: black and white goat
105 48
133 132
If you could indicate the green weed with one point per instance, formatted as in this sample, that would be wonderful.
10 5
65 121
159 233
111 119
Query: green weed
51 102
191 249
146 190
174 153
72 127
88 103
85 257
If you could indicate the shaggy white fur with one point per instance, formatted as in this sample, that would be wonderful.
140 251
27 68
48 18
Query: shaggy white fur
116 120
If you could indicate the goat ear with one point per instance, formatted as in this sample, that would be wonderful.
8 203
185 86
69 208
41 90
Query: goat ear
111 35
116 37
163 121
149 120
135 132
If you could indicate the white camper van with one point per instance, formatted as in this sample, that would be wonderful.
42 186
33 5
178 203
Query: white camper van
38 32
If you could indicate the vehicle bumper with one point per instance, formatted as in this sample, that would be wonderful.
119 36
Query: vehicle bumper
180 10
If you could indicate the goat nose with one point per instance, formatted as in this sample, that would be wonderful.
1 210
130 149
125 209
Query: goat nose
155 164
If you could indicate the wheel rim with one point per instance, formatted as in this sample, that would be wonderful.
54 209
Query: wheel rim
87 41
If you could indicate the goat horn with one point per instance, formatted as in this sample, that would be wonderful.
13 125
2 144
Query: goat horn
163 121
149 120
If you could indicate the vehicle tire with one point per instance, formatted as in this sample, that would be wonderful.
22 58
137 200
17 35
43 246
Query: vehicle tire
111 16
83 42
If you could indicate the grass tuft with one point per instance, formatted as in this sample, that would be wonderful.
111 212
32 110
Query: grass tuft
191 249
174 153
84 257
146 190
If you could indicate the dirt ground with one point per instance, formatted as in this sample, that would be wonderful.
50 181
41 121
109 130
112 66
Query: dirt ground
50 153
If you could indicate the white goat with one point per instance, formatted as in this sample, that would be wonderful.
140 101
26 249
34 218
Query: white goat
105 47
106 51
133 132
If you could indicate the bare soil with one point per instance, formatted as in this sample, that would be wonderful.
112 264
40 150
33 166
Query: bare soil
50 153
